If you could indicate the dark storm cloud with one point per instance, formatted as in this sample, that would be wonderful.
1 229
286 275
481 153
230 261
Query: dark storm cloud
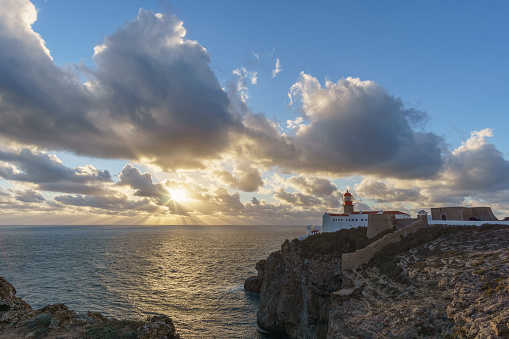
49 174
153 95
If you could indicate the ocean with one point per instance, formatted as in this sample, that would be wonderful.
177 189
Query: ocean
194 274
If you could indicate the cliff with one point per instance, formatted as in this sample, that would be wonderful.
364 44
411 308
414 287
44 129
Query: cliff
19 320
450 282
298 281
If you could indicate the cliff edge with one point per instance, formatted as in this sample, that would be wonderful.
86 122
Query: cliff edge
450 282
19 320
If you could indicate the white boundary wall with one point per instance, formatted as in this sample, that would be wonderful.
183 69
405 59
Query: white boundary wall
465 222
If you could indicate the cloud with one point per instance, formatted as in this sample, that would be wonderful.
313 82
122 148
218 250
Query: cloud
152 97
312 185
24 202
277 69
245 178
243 76
378 191
358 127
475 172
118 204
477 166
297 199
141 183
48 173
350 127
29 196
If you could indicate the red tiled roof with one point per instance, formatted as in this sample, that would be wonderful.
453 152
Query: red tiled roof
367 212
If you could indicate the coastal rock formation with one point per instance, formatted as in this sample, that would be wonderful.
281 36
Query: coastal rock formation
12 308
298 280
254 283
19 320
455 286
450 282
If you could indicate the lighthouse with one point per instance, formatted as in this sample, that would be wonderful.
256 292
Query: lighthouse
347 203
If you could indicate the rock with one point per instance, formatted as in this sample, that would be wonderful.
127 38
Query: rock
19 320
439 282
253 284
298 281
501 329
160 326
260 267
12 308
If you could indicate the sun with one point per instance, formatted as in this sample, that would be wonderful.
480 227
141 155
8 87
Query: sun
178 195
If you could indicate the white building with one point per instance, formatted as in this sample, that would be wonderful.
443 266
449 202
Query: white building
351 219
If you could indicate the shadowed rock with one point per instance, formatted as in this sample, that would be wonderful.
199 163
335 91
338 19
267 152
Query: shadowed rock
19 320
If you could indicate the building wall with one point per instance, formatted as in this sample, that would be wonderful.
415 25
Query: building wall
484 213
329 225
462 213
348 209
377 223
449 213
467 222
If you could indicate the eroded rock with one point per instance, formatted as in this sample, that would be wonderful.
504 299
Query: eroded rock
19 320
439 282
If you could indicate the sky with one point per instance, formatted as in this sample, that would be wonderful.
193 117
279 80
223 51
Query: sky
236 112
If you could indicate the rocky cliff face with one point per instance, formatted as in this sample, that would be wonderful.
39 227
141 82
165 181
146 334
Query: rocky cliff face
298 280
450 282
19 320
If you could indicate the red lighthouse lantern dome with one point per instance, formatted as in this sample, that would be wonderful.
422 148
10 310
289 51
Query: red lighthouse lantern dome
347 198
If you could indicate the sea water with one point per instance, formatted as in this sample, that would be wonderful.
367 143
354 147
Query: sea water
194 274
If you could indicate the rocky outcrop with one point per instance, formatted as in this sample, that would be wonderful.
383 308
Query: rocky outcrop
254 283
298 281
453 286
19 320
12 308
450 282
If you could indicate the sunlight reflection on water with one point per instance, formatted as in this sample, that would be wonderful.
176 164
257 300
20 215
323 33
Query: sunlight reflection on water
194 274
